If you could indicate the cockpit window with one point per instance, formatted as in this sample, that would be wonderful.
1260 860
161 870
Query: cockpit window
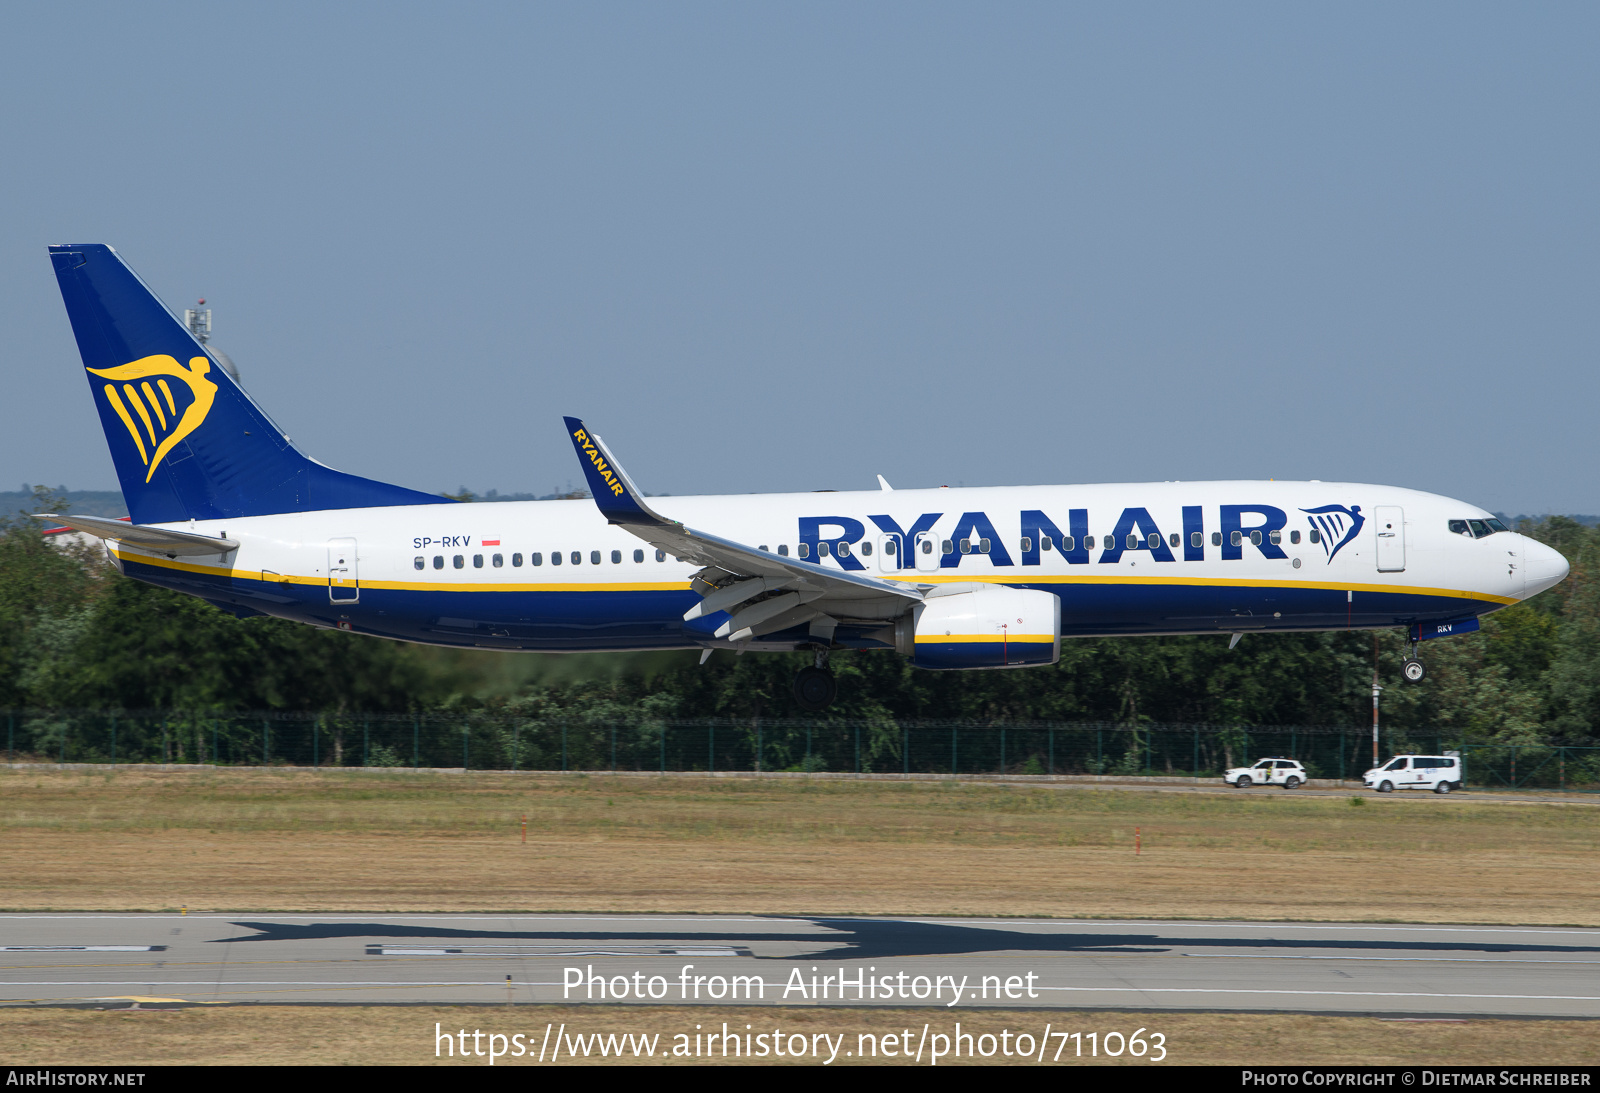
1477 529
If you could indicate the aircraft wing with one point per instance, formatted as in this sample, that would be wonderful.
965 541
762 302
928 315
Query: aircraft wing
155 540
792 590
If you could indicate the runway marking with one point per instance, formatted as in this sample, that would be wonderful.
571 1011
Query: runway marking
391 950
313 984
1413 959
1322 994
83 948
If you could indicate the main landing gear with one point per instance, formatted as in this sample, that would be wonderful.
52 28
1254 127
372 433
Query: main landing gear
1413 669
815 688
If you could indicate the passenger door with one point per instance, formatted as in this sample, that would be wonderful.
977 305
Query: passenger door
344 584
1391 525
889 553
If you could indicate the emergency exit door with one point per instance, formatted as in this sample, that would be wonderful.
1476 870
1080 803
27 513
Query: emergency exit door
1391 531
344 579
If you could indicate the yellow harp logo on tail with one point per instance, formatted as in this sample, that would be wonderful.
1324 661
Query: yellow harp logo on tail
142 385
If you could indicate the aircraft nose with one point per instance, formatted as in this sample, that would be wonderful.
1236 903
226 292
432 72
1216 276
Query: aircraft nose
1542 567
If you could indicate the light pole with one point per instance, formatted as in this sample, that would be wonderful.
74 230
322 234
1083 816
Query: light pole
1377 689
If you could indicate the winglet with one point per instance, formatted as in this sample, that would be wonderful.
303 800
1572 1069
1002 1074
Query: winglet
618 499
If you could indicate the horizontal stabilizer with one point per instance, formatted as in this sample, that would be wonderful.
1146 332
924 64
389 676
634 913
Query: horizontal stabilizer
157 540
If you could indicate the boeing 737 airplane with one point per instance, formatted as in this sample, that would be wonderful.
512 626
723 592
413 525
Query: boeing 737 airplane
224 507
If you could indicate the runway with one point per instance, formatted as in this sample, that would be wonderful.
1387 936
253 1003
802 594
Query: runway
1460 971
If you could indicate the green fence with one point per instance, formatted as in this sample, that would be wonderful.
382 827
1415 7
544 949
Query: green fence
481 741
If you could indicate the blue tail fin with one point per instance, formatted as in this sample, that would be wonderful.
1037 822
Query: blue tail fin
187 442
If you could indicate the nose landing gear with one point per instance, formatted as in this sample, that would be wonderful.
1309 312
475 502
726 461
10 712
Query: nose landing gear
1413 669
815 688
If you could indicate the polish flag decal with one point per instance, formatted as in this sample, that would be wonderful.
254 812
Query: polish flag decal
489 542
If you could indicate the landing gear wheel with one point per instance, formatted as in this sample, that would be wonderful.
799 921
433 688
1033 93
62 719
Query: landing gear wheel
815 689
1414 670
1243 782
1385 787
1291 782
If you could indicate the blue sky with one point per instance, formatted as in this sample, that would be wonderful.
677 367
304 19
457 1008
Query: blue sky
767 247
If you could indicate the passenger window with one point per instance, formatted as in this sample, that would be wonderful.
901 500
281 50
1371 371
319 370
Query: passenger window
843 550
1027 543
459 561
1197 539
516 561
1216 538
418 562
1316 536
983 546
783 550
1294 538
927 546
1459 527
577 557
1274 537
1173 539
555 557
947 547
1088 542
1236 539
536 558
477 561
891 547
498 560
438 561
1069 544
1044 543
1132 542
1255 538
822 550
594 557
661 555
616 557
763 546
638 555
803 550
866 549
1153 541
966 546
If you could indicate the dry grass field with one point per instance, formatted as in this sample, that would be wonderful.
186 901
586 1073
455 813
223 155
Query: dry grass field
405 1035
297 840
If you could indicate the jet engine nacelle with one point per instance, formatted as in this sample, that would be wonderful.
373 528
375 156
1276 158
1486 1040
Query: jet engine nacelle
987 626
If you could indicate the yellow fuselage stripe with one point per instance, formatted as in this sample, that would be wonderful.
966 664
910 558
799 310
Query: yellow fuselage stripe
950 639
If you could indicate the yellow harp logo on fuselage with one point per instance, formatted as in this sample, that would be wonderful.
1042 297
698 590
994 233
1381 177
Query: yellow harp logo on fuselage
156 407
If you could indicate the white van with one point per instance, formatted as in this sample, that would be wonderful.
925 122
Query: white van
1440 773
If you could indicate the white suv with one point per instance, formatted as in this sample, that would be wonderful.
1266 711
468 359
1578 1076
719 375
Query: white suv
1440 773
1287 773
